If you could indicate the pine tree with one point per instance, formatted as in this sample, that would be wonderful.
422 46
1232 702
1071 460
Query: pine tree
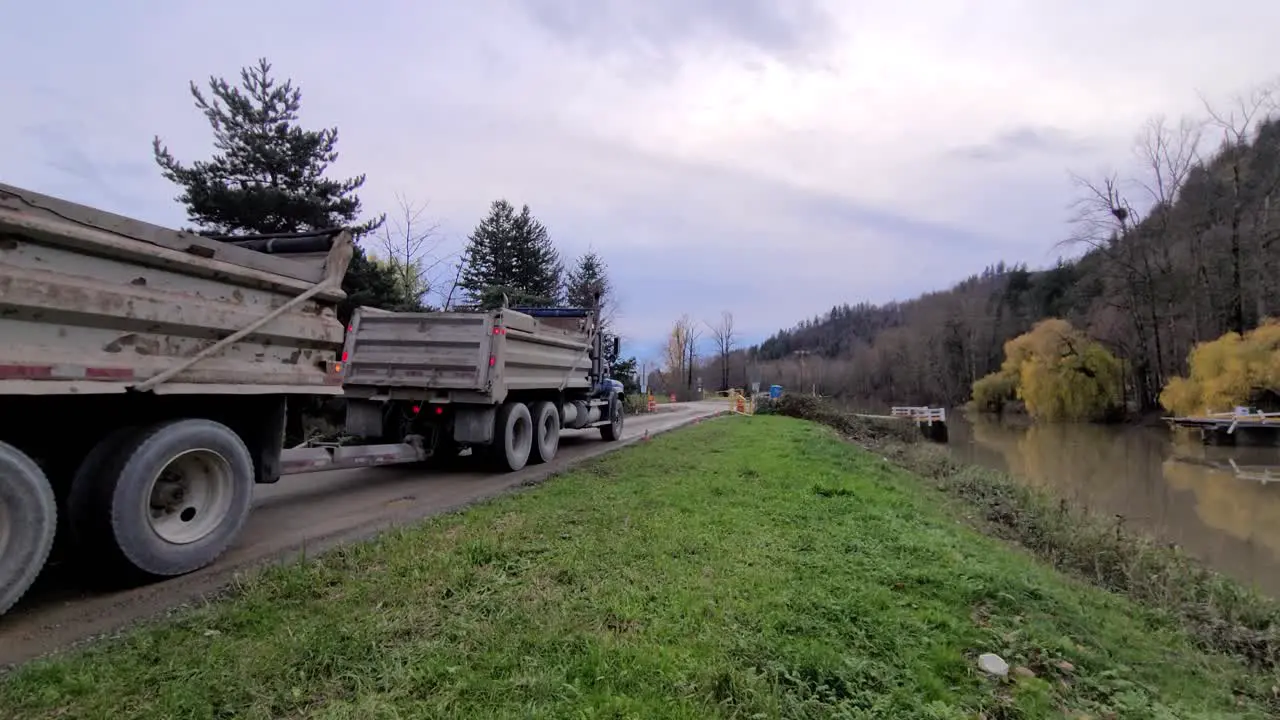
267 176
589 277
511 254
587 284
626 372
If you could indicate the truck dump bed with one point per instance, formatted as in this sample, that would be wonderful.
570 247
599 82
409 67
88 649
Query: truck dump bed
92 302
462 356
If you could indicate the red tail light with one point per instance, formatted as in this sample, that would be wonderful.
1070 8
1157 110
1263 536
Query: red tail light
344 356
416 408
492 361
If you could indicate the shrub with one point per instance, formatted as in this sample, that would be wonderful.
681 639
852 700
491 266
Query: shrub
635 404
1058 372
1232 370
993 392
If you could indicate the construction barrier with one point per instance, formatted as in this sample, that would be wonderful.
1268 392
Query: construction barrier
653 403
740 404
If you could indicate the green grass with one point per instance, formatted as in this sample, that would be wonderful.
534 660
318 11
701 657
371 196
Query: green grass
746 567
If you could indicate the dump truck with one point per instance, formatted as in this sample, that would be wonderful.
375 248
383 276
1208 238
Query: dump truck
504 381
149 378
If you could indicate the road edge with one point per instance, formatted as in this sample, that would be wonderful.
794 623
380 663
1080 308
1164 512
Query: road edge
219 586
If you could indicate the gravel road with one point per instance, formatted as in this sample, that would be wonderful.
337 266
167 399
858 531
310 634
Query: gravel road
301 513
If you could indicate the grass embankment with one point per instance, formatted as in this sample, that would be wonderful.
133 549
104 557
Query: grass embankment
748 567
1219 613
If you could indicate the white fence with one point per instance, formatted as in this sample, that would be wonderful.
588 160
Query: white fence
926 415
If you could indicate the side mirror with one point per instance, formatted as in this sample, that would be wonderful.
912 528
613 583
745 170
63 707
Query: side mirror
617 345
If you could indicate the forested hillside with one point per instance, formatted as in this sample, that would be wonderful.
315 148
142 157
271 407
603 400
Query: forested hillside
1181 253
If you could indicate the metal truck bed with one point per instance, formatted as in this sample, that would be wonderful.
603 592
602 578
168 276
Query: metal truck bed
462 356
92 302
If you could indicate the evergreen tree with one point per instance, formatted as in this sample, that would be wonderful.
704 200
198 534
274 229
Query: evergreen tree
511 254
267 175
589 277
625 371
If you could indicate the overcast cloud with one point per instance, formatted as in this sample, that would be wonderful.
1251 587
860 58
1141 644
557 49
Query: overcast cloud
770 158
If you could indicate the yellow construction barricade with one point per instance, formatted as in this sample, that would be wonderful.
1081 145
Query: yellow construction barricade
740 404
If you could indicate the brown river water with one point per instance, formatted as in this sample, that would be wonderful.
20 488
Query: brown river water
1176 490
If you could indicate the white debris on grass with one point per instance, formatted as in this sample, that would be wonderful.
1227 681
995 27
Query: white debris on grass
993 664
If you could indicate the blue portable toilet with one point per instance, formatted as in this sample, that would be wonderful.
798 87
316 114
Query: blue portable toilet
775 392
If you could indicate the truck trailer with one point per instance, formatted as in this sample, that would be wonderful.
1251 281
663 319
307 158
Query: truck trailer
149 378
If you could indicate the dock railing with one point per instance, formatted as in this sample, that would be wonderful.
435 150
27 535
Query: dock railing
921 414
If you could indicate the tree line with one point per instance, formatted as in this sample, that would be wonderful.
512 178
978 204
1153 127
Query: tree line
683 370
269 175
1174 256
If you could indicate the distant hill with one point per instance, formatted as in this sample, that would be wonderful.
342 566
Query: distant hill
1182 254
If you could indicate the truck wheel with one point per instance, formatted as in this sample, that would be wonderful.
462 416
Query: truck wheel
512 436
546 431
613 431
90 529
177 496
28 522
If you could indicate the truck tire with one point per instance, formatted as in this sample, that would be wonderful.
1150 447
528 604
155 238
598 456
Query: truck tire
546 431
28 522
90 530
613 431
512 436
176 496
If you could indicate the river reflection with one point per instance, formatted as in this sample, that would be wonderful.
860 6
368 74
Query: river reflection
1176 490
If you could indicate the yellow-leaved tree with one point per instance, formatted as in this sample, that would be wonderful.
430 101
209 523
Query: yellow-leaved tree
1058 372
1232 370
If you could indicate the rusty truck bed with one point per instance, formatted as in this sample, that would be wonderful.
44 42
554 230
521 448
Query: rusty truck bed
92 302
461 356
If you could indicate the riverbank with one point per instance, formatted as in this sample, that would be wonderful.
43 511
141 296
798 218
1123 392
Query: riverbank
1219 613
744 567
1147 480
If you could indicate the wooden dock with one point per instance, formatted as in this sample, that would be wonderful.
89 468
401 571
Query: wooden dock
921 414
1227 428
931 421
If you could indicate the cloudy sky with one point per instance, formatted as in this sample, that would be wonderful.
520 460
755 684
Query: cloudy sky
772 158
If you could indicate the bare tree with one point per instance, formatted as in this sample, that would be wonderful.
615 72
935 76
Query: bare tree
691 337
1168 154
1108 223
1238 125
722 334
410 244
676 355
453 286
